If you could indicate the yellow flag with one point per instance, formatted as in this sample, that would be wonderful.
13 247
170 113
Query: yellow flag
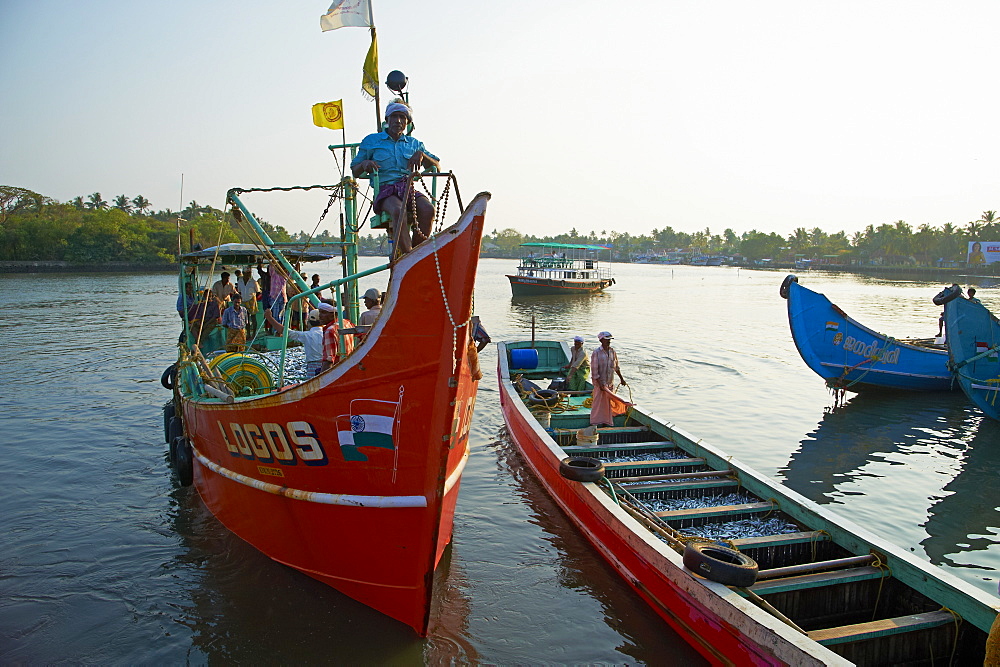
369 77
329 114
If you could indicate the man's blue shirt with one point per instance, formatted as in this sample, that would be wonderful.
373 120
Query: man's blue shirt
391 156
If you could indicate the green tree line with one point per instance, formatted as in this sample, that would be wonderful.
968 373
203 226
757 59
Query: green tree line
89 229
896 243
34 227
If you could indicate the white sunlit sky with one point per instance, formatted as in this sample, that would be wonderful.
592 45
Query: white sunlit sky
592 115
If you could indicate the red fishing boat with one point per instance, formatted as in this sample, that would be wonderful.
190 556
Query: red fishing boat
749 572
350 476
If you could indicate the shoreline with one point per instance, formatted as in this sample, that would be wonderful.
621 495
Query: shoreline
33 267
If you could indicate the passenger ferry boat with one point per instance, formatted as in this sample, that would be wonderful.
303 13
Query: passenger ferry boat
748 571
350 476
560 268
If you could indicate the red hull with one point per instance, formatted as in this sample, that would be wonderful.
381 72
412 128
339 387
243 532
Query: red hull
290 473
543 286
708 616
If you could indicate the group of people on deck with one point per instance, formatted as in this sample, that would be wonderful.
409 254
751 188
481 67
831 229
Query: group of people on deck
234 306
601 366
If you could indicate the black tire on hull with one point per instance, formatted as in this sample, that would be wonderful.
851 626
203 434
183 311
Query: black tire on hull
946 295
582 469
183 461
175 429
786 285
169 377
546 397
168 413
720 564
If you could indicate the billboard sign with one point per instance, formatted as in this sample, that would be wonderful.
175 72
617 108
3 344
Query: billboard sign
983 252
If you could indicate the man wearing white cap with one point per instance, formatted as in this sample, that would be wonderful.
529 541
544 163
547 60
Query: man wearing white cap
311 338
367 318
578 368
603 367
395 155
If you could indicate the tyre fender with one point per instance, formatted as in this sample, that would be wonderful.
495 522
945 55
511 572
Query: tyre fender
169 411
946 295
546 397
183 460
786 285
582 469
720 564
169 377
175 429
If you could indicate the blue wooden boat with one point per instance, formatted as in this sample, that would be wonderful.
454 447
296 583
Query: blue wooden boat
849 355
973 335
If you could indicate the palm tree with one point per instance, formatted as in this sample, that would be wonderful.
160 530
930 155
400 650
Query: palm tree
77 202
96 202
123 203
141 204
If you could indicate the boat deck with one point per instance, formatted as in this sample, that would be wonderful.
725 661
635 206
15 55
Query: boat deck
847 599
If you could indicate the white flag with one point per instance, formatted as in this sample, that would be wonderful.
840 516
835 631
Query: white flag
347 14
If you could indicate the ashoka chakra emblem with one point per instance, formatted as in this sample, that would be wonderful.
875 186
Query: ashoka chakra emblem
357 423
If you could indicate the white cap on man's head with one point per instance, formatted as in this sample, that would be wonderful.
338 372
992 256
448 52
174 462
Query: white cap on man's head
313 316
604 334
325 307
372 294
577 339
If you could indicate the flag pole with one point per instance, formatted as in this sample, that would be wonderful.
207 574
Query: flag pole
378 109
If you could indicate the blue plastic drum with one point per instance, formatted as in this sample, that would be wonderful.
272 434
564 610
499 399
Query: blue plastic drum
526 358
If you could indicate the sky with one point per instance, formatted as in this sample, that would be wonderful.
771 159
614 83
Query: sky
598 116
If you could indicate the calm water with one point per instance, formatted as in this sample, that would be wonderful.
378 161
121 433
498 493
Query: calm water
104 560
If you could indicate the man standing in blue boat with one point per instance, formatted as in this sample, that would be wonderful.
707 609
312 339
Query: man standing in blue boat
603 367
395 155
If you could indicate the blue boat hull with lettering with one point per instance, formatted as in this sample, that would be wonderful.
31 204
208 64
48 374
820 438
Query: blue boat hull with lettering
849 355
974 351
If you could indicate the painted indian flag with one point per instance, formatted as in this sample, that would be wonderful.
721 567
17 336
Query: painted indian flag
832 326
984 347
371 423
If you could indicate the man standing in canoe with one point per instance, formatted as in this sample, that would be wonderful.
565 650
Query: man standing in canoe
603 367
395 155
578 368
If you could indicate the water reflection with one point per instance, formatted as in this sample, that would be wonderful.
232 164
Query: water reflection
964 516
645 637
554 312
869 427
245 603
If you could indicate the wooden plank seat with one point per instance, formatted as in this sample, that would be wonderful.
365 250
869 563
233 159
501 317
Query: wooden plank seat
659 463
765 541
624 447
381 221
818 579
607 429
715 510
634 487
881 628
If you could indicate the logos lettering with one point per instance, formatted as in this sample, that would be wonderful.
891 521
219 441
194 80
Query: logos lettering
288 445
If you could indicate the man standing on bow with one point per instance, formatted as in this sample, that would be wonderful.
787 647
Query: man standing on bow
603 367
395 155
